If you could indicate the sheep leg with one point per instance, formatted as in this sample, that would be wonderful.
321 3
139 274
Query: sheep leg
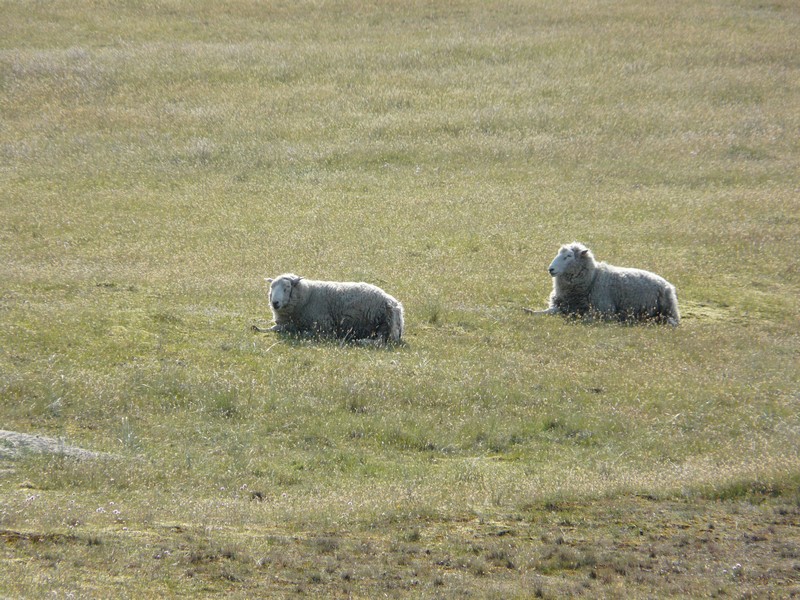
550 311
267 329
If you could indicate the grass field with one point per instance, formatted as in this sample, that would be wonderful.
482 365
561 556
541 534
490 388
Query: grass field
159 159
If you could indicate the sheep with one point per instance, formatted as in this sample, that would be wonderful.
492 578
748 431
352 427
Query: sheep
346 310
582 286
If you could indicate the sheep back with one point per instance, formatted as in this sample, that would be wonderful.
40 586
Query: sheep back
632 294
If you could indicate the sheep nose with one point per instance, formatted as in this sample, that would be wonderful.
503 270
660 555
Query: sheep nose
275 305
552 271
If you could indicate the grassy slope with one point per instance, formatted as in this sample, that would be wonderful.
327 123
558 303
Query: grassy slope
156 164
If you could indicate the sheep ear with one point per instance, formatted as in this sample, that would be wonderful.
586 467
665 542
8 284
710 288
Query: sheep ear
584 252
268 279
296 280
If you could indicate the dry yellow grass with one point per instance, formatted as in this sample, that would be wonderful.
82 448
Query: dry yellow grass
157 162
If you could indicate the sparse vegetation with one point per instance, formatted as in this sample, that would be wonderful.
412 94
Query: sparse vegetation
157 162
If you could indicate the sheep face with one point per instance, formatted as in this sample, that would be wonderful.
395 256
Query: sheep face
568 259
280 290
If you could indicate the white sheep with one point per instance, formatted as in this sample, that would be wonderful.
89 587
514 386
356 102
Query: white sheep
347 310
582 286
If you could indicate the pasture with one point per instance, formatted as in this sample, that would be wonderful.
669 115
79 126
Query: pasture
158 160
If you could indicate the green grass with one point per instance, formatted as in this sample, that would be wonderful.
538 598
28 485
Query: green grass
157 162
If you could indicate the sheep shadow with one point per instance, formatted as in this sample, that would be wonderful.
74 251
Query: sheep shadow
597 318
346 341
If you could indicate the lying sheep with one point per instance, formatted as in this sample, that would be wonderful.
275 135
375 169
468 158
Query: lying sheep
351 311
582 286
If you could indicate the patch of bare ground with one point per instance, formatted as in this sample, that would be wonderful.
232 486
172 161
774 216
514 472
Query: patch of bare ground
629 547
634 546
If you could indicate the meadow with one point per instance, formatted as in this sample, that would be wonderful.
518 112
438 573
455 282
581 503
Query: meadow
159 159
